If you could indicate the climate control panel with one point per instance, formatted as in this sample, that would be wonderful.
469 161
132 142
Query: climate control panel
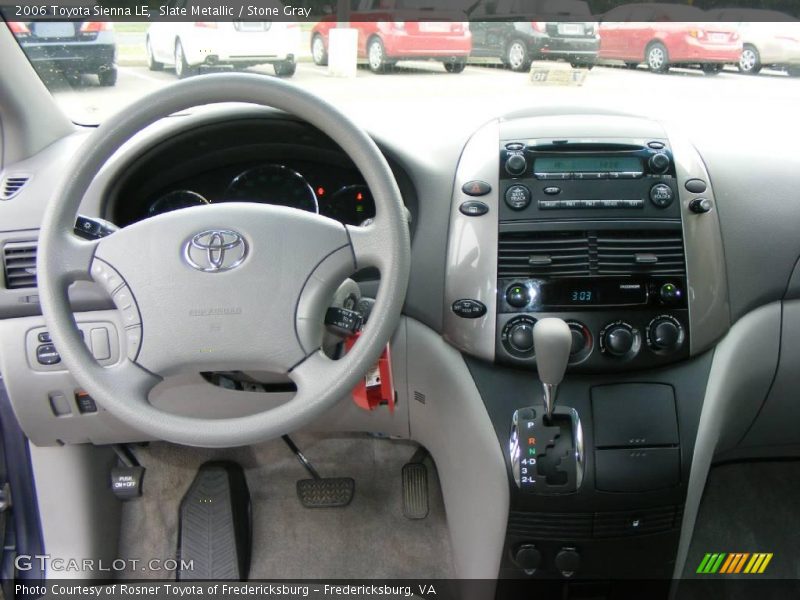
602 341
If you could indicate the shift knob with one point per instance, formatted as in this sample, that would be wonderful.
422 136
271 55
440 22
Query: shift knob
552 342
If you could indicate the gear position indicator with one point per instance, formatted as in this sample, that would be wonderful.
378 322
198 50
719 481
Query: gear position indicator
547 454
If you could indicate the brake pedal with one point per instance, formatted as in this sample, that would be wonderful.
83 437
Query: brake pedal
215 524
415 487
321 492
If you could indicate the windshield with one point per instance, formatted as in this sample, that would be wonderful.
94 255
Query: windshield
395 60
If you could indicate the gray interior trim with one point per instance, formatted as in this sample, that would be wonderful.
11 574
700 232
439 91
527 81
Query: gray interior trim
79 515
741 372
472 248
30 119
709 309
449 418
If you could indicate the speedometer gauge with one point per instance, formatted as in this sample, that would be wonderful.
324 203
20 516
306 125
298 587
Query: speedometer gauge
351 205
175 200
274 184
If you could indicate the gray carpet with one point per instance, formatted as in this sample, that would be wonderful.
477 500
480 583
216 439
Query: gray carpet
751 507
370 538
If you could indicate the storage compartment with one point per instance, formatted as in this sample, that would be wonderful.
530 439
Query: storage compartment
634 415
637 469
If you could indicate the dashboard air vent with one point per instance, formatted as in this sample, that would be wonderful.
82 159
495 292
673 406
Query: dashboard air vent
653 252
11 185
579 253
550 526
19 262
543 254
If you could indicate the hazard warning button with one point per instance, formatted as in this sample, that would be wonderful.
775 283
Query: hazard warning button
476 188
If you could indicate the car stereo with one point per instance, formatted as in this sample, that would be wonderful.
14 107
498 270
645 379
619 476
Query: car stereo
546 178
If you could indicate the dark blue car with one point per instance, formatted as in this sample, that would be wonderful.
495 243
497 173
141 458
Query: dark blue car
71 47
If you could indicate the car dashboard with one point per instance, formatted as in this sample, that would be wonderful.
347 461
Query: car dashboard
677 276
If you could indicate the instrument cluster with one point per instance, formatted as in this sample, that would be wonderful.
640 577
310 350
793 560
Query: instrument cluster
334 192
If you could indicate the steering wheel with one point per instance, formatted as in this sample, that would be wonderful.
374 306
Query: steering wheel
223 287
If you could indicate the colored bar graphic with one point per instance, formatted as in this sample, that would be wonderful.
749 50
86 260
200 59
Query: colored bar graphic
764 564
734 563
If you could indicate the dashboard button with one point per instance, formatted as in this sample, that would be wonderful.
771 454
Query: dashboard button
127 306
467 308
133 337
518 197
44 337
550 204
515 146
516 165
661 195
473 208
46 354
696 186
700 206
552 190
561 176
476 188
517 295
656 145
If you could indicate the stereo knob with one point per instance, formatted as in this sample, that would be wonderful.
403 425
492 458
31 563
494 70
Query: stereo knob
620 339
567 561
516 164
659 163
517 295
665 334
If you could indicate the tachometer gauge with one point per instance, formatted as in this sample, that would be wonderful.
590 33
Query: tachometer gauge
273 184
351 205
174 201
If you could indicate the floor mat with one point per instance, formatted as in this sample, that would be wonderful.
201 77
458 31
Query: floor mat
750 507
370 538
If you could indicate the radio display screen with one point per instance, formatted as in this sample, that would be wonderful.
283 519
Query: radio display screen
587 164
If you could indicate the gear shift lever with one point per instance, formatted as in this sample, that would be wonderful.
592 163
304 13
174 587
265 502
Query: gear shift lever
552 340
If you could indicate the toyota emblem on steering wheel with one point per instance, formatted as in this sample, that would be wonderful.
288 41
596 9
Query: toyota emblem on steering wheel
215 250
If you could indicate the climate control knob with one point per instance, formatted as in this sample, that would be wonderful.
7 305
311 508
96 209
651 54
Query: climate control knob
665 334
620 339
516 164
517 336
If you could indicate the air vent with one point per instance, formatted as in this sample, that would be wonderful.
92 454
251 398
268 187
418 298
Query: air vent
577 253
537 254
19 262
544 526
654 252
11 185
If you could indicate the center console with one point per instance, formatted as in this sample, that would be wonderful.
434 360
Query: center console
587 244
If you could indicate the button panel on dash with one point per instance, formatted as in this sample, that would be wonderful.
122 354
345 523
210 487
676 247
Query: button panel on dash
588 204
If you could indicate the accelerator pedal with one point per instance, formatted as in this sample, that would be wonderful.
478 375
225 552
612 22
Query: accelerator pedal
215 524
415 486
321 492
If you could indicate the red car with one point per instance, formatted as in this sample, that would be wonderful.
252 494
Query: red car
390 30
664 35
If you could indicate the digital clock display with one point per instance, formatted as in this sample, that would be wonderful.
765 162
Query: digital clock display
587 164
581 296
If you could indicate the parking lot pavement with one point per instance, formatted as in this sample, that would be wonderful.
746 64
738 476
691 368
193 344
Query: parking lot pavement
467 99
